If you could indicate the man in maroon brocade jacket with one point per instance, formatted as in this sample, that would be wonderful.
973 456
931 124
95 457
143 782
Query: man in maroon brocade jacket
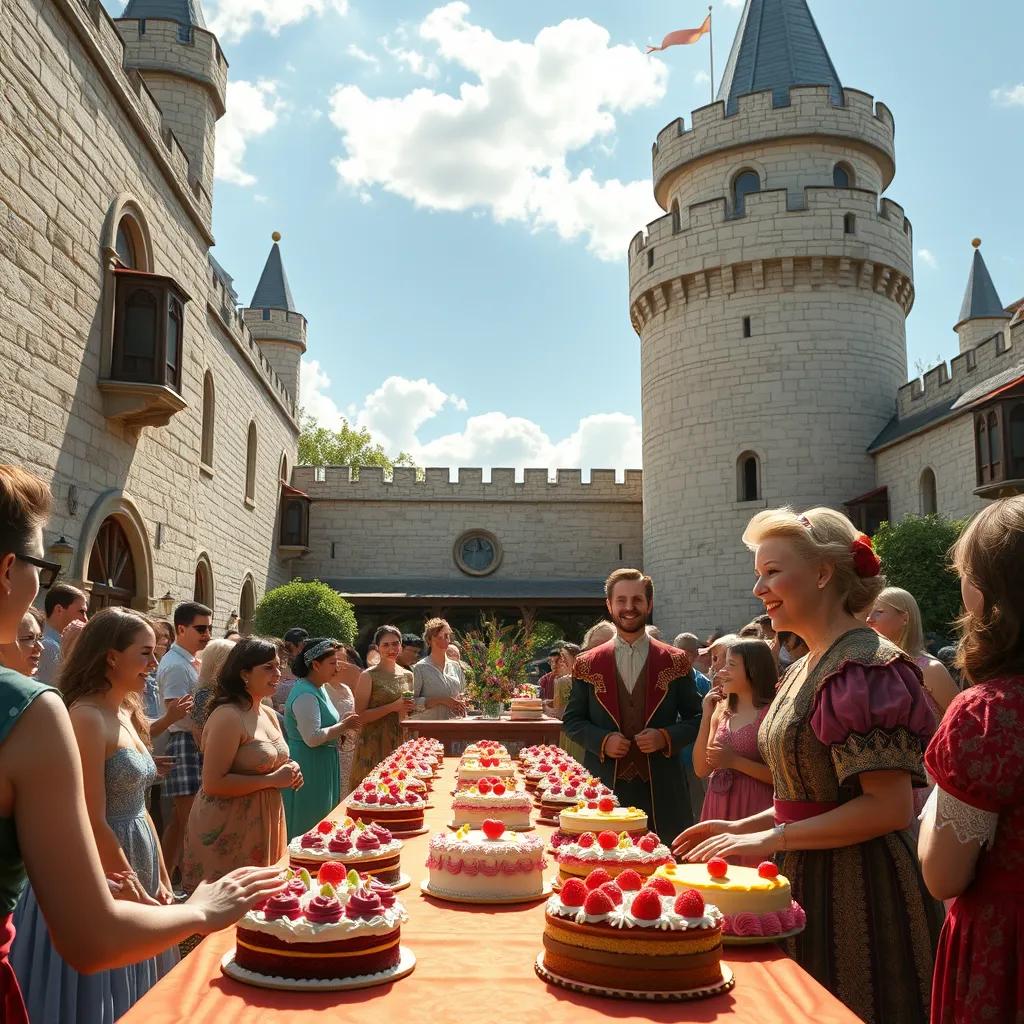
633 705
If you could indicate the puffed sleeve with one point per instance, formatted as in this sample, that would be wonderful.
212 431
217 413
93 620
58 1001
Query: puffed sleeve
874 718
977 754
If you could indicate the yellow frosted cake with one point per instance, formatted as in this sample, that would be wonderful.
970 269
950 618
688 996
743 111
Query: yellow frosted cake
754 901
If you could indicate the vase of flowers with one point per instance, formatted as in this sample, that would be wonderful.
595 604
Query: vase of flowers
498 656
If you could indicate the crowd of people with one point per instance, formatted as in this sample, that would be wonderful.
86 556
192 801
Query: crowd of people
152 774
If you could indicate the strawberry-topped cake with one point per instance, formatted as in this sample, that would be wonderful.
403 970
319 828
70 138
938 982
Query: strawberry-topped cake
339 926
370 849
487 864
473 769
756 902
394 806
493 797
560 795
632 940
620 854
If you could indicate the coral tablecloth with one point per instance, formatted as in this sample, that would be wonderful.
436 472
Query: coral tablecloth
475 964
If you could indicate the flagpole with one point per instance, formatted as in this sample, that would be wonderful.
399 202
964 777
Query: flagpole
711 52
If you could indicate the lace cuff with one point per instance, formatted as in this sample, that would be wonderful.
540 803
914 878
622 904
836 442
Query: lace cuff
969 824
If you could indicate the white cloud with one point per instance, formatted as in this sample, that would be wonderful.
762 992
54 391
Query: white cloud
927 257
232 19
361 55
501 144
1009 95
252 110
399 410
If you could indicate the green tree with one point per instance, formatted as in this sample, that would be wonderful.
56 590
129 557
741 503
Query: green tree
346 446
915 556
307 603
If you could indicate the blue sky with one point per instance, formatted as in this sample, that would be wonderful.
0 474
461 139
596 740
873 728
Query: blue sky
452 182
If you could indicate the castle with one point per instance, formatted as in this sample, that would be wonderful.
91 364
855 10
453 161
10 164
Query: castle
770 302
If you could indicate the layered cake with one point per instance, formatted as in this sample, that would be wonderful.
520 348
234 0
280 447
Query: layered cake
369 849
641 940
396 808
489 863
525 709
616 853
345 928
559 797
492 798
755 902
472 769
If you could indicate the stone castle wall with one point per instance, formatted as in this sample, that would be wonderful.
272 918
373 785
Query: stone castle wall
76 132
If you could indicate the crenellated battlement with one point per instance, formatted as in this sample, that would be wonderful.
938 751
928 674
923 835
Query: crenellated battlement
100 35
860 122
946 382
339 483
845 236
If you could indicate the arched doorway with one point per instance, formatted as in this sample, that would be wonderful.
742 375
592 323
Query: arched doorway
247 606
111 568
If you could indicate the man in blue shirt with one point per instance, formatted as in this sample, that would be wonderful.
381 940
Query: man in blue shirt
688 642
63 604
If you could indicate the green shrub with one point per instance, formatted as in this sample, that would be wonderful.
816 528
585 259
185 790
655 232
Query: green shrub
915 556
307 603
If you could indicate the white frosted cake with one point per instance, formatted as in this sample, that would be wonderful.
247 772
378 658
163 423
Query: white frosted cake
486 864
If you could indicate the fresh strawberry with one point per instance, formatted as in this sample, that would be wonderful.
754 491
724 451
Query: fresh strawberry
493 829
613 891
768 869
662 885
331 873
718 867
574 893
597 878
598 902
648 844
606 804
647 904
325 828
690 904
629 880
607 840
498 789
484 786
586 840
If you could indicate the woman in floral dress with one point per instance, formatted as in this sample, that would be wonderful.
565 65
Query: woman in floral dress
844 739
237 817
972 833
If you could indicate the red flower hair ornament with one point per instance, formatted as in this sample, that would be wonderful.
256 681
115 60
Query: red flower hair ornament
865 562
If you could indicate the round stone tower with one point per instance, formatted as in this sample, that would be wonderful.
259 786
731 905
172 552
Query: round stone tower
771 303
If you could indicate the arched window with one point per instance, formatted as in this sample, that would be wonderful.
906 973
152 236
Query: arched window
1017 440
124 243
209 414
842 176
250 466
929 499
748 477
744 184
676 223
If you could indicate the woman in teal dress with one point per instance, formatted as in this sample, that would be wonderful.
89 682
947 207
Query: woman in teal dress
313 729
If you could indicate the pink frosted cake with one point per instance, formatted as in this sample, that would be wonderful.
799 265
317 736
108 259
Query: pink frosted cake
492 798
486 864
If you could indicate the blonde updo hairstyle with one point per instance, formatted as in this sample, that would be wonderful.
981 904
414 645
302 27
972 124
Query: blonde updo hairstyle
828 539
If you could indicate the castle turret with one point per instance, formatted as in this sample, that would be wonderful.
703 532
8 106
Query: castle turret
183 66
274 322
770 303
982 313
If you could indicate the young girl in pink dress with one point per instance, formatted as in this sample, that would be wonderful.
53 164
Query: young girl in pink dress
740 783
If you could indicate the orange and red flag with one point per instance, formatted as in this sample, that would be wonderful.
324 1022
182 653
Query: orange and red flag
683 36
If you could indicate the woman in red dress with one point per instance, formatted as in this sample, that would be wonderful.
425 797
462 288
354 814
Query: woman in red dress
972 834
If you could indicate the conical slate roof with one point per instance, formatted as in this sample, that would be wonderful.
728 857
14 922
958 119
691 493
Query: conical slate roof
273 292
185 12
777 46
981 298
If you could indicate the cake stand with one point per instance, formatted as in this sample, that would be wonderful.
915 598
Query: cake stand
404 967
478 901
684 995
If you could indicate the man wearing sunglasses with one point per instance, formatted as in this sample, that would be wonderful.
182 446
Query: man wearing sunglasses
176 676
63 604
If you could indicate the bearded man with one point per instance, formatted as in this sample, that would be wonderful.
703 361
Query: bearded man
633 706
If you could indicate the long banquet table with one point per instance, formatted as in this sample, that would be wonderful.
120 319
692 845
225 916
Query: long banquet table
475 964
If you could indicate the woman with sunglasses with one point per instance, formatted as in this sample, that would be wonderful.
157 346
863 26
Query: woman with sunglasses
45 833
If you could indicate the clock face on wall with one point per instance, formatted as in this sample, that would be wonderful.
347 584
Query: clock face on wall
477 553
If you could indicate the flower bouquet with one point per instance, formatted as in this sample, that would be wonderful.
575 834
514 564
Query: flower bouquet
498 657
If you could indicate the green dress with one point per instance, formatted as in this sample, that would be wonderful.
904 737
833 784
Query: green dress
320 792
380 738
